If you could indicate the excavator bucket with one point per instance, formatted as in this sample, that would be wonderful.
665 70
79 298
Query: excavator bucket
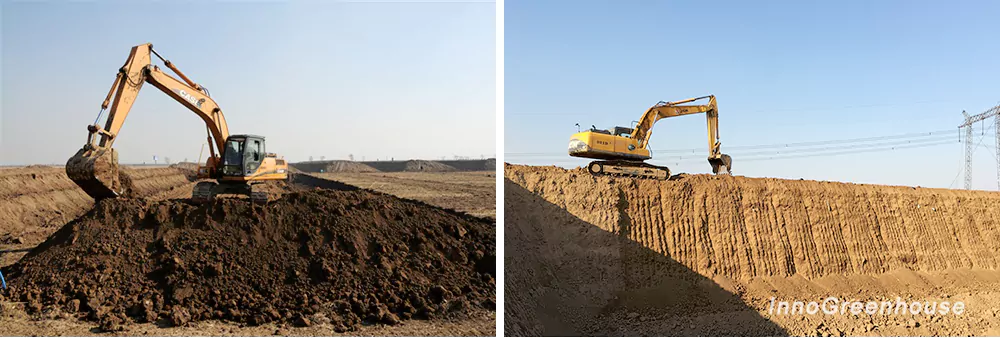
96 171
721 165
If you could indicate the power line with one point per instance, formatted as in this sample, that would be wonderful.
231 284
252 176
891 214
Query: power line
921 136
806 109
850 152
901 142
827 153
852 146
781 157
961 168
841 141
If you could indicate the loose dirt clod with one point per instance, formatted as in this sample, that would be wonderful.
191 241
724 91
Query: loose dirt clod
346 257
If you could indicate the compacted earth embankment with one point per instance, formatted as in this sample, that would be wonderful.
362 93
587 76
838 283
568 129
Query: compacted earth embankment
672 257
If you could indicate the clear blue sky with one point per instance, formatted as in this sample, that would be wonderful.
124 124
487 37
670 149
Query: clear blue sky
317 78
783 71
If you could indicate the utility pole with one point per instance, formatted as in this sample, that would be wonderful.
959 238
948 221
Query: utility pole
969 147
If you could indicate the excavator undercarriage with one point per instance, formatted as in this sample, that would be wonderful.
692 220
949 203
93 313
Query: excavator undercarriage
207 191
629 169
720 166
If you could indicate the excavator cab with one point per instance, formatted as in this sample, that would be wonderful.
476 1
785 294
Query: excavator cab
243 155
244 163
622 131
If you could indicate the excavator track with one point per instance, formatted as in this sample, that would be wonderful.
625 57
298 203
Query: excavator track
628 169
203 192
206 192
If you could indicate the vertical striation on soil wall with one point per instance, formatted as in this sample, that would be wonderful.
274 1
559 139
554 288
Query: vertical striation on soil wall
743 227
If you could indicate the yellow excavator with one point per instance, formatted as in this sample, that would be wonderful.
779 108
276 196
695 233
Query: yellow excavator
622 151
236 162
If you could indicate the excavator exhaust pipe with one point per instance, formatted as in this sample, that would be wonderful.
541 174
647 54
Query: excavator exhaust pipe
721 165
96 171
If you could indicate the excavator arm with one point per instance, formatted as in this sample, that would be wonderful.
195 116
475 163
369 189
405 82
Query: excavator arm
95 167
721 163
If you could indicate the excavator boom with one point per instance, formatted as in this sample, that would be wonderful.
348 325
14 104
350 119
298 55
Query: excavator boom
95 166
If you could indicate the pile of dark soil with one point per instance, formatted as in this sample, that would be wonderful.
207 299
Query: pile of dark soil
489 164
427 166
344 257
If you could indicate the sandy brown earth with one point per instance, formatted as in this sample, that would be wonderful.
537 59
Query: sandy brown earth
704 255
20 317
472 192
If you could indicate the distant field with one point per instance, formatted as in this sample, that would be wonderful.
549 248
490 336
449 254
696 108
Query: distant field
472 192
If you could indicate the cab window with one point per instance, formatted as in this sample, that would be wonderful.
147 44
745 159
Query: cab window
256 150
234 152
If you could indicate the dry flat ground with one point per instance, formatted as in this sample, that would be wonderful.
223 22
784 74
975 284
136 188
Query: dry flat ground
471 192
37 201
704 255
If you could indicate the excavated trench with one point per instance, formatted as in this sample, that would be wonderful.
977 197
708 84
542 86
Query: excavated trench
639 257
324 252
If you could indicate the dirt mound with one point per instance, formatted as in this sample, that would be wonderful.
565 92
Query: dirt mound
427 166
347 257
185 165
348 167
189 169
472 165
336 166
409 165
149 182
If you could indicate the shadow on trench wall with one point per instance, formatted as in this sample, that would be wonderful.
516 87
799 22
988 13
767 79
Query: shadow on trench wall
564 276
